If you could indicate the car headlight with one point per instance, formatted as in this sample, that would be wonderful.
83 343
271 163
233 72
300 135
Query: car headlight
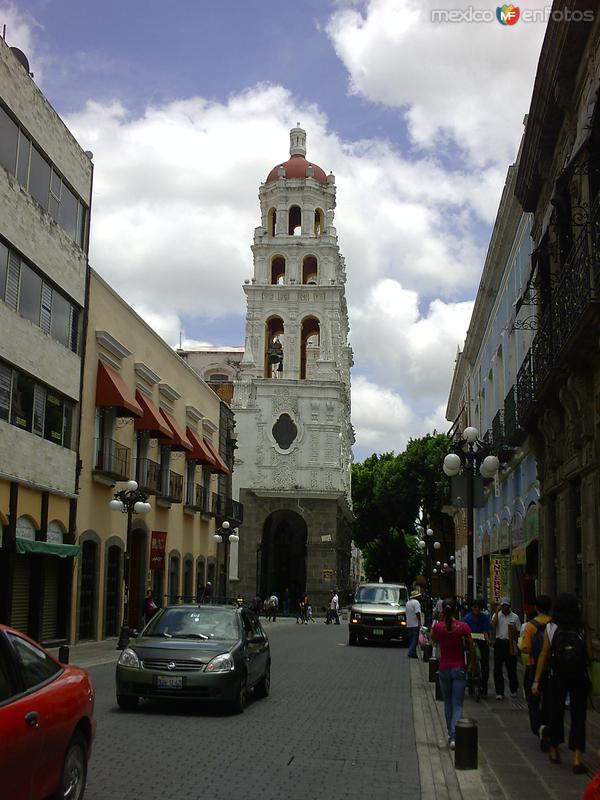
128 658
222 663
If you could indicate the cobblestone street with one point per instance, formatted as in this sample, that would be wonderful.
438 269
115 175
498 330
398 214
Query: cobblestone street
338 724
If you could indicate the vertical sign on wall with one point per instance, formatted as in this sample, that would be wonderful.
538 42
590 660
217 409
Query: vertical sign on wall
158 543
499 578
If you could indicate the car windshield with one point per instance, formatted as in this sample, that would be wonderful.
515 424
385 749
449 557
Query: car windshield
384 595
194 623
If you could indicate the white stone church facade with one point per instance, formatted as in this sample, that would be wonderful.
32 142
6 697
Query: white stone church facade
291 396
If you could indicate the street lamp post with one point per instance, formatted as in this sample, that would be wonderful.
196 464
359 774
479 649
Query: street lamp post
468 454
128 501
225 535
425 542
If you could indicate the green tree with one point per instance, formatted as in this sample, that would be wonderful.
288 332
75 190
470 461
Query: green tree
388 493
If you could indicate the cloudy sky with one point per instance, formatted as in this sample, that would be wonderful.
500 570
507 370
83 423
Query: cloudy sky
187 107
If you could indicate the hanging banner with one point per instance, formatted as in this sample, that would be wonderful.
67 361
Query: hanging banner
158 544
499 578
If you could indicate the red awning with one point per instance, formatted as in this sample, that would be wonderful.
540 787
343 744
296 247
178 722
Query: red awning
111 390
177 438
152 420
200 453
220 466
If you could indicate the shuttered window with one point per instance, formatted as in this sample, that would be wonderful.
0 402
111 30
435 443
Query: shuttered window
5 391
39 409
46 312
12 280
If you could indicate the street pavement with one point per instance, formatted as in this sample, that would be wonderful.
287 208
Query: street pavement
338 725
341 722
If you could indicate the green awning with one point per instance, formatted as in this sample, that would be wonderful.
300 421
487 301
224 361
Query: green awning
25 546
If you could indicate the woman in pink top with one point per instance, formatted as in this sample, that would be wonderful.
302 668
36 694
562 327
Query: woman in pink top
449 635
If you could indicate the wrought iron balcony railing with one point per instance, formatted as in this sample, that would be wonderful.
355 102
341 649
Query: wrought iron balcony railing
218 505
112 459
525 387
171 487
197 498
511 422
147 474
234 511
498 429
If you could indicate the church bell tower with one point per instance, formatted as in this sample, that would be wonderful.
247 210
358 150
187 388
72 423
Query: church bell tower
292 399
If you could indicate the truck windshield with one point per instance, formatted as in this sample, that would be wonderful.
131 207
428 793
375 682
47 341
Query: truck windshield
387 595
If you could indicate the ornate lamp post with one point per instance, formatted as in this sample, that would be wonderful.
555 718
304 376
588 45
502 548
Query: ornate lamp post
468 455
426 544
225 535
128 501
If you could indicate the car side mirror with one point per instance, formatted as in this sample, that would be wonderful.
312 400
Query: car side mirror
133 634
258 639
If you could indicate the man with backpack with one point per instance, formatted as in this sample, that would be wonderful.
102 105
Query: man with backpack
532 644
568 650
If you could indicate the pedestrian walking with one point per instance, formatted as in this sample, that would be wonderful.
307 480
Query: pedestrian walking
479 622
334 608
413 622
450 635
506 624
309 614
532 643
272 606
568 650
150 607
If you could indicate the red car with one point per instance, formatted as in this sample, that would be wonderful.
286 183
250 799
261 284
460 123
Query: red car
46 722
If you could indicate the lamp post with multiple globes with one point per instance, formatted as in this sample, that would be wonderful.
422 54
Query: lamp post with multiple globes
427 546
128 501
469 455
223 534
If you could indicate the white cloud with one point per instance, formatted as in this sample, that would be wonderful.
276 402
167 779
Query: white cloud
20 27
382 419
465 82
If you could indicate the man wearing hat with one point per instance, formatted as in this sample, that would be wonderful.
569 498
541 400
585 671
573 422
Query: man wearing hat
506 625
413 622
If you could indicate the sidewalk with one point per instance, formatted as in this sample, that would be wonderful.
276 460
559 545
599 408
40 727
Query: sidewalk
511 764
91 654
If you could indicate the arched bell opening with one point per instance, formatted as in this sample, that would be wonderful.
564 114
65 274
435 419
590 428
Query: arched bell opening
272 221
309 270
278 270
319 222
309 346
295 221
274 331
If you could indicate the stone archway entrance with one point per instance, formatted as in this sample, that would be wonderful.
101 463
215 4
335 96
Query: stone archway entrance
283 555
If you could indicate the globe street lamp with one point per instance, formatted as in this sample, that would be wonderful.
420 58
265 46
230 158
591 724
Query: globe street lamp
426 544
468 455
223 534
128 501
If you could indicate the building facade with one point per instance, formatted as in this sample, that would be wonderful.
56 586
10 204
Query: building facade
483 395
292 394
558 384
149 417
45 196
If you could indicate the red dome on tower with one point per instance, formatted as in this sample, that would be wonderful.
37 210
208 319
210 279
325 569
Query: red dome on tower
296 166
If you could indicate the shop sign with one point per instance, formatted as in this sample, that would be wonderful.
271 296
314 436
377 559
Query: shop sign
328 574
519 556
158 545
499 578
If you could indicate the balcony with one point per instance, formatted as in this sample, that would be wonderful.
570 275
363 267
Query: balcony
147 474
512 430
171 487
197 498
526 388
234 511
112 460
498 429
217 505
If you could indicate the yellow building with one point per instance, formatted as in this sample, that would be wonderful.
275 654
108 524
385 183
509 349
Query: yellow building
147 416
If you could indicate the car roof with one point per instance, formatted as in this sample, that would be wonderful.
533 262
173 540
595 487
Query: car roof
206 606
387 583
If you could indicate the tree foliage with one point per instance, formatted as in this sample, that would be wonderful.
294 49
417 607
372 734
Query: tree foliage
388 493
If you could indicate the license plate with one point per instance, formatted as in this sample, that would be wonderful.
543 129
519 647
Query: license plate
169 682
377 631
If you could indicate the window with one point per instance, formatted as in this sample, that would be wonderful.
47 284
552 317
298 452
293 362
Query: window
285 431
39 409
67 439
6 687
8 142
21 413
61 319
23 160
53 427
67 217
30 294
39 178
218 377
5 391
3 268
35 666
